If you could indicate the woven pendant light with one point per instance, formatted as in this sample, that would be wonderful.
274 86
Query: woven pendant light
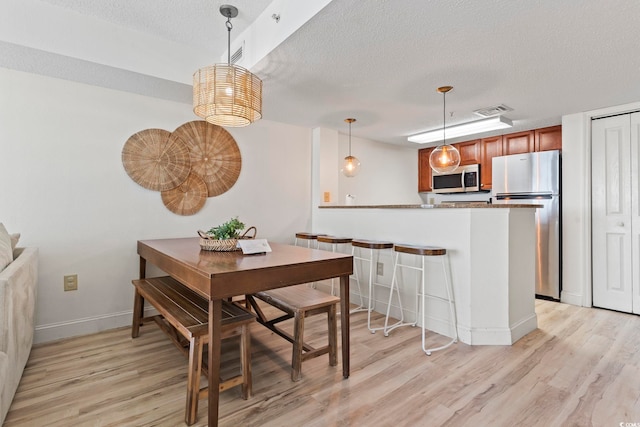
227 94
445 158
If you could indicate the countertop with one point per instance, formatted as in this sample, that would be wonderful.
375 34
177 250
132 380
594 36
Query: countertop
437 206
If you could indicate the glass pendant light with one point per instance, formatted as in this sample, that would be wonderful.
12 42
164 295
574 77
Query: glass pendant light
444 158
351 165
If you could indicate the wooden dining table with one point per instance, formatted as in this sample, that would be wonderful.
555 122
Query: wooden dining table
220 275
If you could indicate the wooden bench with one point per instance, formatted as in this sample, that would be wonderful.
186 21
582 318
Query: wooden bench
299 302
184 317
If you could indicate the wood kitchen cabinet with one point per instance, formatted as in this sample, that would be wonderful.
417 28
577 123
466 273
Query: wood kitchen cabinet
469 152
518 143
424 169
548 138
482 151
489 148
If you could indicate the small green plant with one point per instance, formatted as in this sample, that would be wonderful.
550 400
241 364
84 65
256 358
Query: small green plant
229 230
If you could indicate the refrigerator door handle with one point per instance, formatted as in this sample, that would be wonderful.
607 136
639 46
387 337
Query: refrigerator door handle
531 196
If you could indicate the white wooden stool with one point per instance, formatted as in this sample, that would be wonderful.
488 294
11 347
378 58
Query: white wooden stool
421 292
375 249
308 237
333 242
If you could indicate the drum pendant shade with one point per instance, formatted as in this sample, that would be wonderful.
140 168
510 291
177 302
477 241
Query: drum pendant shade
227 94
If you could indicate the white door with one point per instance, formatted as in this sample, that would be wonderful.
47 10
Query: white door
611 212
635 209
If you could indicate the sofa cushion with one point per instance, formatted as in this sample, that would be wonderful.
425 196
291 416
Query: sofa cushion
15 237
6 251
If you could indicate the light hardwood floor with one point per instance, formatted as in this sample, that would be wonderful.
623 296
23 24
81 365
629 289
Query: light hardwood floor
580 368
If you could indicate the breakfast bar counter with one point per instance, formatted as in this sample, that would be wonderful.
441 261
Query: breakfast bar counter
491 251
476 205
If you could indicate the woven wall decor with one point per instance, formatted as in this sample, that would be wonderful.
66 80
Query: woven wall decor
213 152
156 161
196 161
188 197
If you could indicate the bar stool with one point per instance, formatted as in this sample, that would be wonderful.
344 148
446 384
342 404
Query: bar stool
378 247
309 237
423 252
334 242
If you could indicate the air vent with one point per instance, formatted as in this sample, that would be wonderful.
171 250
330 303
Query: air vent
493 111
237 55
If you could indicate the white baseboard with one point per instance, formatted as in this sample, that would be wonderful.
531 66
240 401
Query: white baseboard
85 326
571 298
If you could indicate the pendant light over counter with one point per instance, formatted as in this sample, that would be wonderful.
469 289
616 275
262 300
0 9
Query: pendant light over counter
444 158
227 94
351 165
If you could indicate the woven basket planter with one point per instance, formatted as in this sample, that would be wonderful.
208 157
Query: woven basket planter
208 243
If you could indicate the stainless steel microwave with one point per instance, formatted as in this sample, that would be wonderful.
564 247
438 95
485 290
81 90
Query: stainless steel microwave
464 179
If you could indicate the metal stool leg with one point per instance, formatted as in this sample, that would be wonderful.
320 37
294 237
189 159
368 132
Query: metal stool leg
447 278
361 307
394 285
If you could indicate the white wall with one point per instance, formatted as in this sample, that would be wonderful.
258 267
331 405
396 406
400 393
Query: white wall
388 173
63 186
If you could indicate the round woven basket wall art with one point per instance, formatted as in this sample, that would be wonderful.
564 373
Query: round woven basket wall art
156 161
188 197
214 154
196 161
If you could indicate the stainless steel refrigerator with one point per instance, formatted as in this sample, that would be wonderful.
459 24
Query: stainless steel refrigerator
534 178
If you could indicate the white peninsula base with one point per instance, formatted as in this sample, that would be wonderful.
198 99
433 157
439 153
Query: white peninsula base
492 257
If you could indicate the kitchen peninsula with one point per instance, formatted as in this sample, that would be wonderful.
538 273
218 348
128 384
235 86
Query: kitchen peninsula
491 249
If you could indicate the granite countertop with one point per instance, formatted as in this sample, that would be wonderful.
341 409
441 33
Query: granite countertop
438 206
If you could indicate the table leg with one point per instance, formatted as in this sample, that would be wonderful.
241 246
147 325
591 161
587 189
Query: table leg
143 268
215 321
344 323
138 303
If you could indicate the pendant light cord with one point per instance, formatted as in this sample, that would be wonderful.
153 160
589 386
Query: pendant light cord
349 139
444 118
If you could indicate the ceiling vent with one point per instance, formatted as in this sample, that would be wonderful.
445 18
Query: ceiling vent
493 111
237 55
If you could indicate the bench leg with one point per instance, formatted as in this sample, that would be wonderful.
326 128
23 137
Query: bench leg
332 324
245 362
138 310
298 342
193 380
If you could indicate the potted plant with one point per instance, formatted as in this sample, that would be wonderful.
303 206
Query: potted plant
224 237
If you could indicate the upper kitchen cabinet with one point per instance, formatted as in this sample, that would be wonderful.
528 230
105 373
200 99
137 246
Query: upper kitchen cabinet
548 138
424 169
469 152
518 143
489 148
482 151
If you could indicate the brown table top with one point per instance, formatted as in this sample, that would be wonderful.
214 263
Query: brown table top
225 274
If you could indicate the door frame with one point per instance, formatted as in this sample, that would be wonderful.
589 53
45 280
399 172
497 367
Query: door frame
576 203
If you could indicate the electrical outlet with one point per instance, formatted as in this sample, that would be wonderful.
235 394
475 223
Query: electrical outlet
71 282
380 267
327 196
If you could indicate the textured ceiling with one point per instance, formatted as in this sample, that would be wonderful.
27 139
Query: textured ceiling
381 61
